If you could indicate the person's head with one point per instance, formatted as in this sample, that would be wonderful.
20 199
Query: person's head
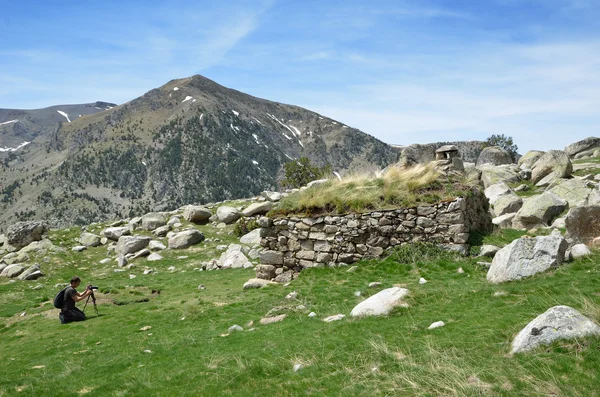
75 281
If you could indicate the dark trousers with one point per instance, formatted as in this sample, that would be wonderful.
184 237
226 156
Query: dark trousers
73 315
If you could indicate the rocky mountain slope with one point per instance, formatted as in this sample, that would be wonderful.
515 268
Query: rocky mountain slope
189 141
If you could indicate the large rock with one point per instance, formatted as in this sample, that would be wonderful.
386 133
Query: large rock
494 192
529 159
41 247
257 283
12 271
577 149
493 155
89 240
153 220
507 204
554 164
33 273
540 209
525 257
234 258
185 239
272 196
265 272
580 251
23 233
381 303
557 323
228 215
504 221
491 175
251 238
583 224
196 214
258 208
114 233
131 244
576 191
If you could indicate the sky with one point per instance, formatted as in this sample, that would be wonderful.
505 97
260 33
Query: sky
403 71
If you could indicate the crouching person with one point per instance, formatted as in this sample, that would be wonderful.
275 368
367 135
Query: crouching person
69 312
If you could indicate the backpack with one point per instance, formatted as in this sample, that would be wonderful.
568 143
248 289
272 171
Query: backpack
59 299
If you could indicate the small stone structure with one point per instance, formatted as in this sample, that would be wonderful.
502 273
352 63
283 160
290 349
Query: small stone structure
294 243
447 152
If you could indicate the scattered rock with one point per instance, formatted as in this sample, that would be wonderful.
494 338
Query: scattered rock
201 287
257 283
352 269
552 165
79 248
580 251
525 257
155 245
437 324
336 317
89 240
105 261
580 148
272 196
114 233
507 204
488 250
122 261
234 328
422 281
491 175
141 253
540 209
228 215
298 367
153 220
197 214
21 234
234 258
185 239
529 159
292 295
258 209
381 303
312 314
274 319
33 273
154 257
558 322
575 191
131 244
578 225
252 238
504 221
374 284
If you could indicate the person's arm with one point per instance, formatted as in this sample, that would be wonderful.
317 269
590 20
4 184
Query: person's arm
78 297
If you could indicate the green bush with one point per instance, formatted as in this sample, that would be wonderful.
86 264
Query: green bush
244 226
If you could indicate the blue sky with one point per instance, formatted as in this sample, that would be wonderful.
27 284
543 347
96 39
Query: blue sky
403 71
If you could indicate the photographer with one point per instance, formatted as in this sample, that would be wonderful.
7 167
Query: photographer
69 312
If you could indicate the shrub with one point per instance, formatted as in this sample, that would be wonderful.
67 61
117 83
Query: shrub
244 226
299 172
505 142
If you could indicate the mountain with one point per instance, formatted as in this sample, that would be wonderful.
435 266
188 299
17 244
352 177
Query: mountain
189 141
17 127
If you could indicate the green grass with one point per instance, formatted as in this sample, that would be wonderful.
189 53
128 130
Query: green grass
393 355
396 188
532 191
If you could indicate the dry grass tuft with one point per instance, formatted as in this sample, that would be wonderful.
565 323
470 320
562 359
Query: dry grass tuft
397 187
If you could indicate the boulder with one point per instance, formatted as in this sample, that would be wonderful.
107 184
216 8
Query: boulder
554 164
185 239
33 273
173 221
21 234
154 257
258 209
575 191
89 240
580 147
265 272
493 155
381 303
557 323
257 283
528 160
494 192
580 251
490 175
41 247
272 196
540 209
504 221
79 248
162 231
113 233
12 271
141 253
131 244
153 220
155 245
196 214
228 215
489 250
583 224
234 258
507 204
252 238
274 319
525 257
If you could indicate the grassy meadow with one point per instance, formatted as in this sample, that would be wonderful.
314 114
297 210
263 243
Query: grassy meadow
159 335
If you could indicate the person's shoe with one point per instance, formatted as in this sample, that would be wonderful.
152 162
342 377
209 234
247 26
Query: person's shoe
61 317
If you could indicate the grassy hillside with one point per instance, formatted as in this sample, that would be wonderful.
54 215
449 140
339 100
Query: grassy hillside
190 353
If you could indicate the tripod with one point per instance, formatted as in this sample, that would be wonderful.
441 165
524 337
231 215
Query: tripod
93 302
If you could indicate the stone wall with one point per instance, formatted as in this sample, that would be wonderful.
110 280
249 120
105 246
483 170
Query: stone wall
293 243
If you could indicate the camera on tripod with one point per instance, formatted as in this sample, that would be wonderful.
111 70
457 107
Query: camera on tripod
92 287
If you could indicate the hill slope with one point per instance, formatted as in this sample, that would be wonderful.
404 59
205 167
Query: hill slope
189 141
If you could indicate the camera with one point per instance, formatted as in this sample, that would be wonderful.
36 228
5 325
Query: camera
92 287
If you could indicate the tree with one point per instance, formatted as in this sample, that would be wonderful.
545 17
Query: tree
299 172
505 142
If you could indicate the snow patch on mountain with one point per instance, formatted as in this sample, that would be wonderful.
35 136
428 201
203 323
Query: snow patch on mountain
66 115
11 149
187 98
236 113
9 122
